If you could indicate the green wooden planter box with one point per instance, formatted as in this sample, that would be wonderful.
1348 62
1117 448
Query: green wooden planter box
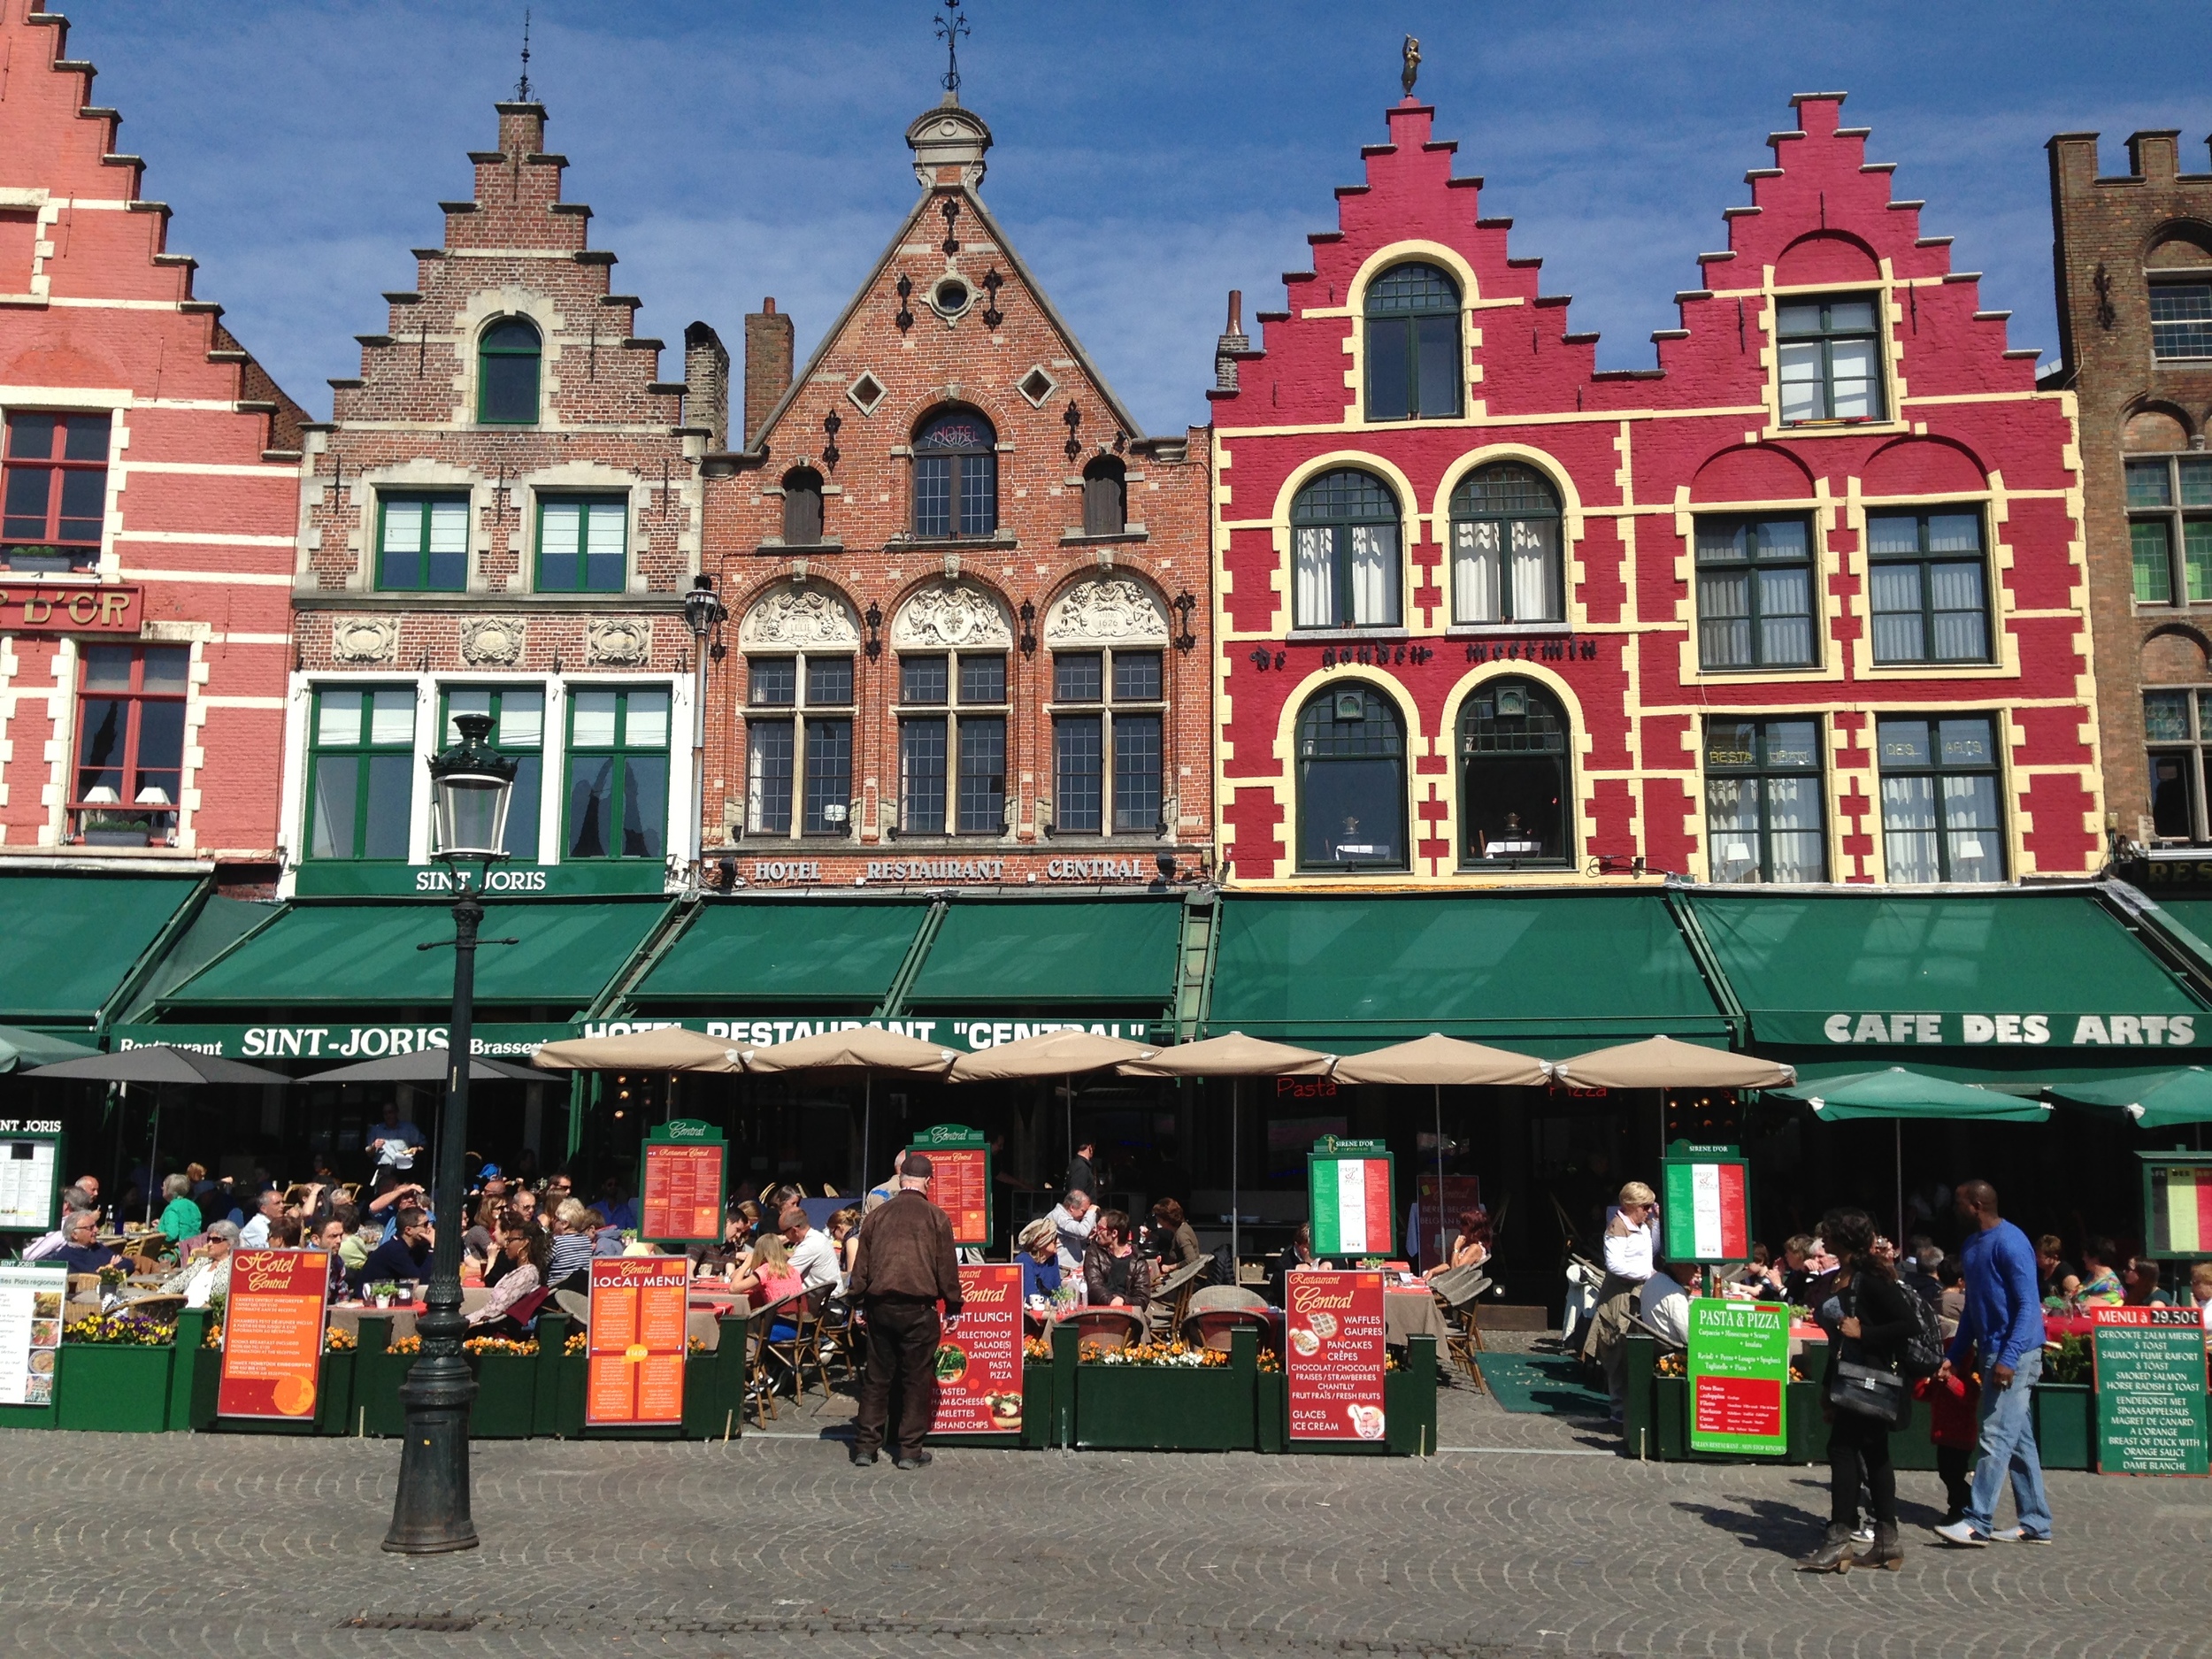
119 1389
1151 1407
27 1416
1041 1404
193 1398
1807 1430
377 1375
505 1406
1271 1408
2065 1419
714 1389
1409 1401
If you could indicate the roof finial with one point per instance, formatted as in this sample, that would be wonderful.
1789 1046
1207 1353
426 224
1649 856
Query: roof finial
1413 65
522 86
952 23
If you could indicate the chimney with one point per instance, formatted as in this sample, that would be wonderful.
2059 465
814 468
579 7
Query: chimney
1233 341
767 364
707 385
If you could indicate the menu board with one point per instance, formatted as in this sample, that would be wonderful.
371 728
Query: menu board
634 1354
1706 1209
960 1183
273 1333
1740 1371
1333 1323
2150 1391
685 1163
979 1359
1347 1187
29 1192
2177 1204
30 1331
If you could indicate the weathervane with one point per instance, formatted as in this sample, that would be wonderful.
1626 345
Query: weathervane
1413 64
522 86
952 23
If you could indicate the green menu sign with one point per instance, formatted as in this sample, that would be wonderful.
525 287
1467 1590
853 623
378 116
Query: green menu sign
1740 1373
2150 1391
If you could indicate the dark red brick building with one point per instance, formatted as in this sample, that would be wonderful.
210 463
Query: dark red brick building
1802 602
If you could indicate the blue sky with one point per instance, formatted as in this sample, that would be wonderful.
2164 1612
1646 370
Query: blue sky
1148 157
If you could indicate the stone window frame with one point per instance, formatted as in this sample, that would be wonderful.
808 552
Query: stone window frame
2187 583
1759 768
2190 746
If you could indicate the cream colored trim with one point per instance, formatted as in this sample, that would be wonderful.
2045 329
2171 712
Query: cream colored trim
1281 619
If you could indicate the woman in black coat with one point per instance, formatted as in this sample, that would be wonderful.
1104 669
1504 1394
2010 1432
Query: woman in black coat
1868 1317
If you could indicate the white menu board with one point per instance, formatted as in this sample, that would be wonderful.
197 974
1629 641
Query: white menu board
30 1331
26 1184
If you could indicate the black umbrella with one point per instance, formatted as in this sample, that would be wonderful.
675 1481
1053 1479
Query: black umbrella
426 1065
157 1063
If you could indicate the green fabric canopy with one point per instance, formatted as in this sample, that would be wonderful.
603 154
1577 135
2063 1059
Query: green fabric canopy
1072 954
2159 1101
784 952
74 939
1897 1093
21 1049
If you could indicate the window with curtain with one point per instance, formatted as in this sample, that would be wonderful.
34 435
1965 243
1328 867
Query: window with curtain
617 773
55 491
129 777
801 507
1344 546
507 355
1505 546
1940 812
518 718
799 744
952 744
1929 585
956 476
1107 711
1754 593
2169 527
1105 497
1413 357
1762 801
423 546
361 770
1351 781
583 544
1830 358
1515 769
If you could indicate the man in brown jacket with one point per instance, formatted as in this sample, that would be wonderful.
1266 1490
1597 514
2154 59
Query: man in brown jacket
905 1265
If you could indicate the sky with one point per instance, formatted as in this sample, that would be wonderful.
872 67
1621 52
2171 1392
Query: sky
1148 157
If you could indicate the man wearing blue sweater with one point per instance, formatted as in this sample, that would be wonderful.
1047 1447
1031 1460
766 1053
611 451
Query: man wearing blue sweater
2003 1325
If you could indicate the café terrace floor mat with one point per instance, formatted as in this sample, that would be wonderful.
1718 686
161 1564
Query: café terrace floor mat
1549 1384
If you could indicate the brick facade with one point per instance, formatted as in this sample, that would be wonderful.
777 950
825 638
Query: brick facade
600 433
181 546
950 321
2116 239
1641 657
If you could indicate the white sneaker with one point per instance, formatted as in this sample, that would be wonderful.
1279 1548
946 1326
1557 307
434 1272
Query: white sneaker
1962 1534
1863 1533
2021 1535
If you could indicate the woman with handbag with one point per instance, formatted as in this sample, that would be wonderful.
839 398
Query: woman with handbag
1869 1317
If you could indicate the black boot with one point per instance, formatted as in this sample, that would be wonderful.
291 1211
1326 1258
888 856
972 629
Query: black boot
1834 1553
1884 1551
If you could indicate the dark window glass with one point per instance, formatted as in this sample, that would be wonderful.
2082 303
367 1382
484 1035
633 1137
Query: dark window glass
982 776
1930 593
922 680
1940 813
829 775
801 507
2178 725
773 681
507 386
425 544
361 772
1351 783
922 777
829 681
1764 811
2181 320
1514 745
2157 533
983 679
55 492
1413 355
1105 498
1076 676
1344 537
1079 773
618 775
1754 593
1136 774
1830 359
956 476
1136 676
129 777
768 769
1505 546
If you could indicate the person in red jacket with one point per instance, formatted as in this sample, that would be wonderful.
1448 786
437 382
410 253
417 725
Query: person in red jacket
1954 1424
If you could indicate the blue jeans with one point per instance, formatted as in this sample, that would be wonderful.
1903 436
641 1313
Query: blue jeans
2009 1448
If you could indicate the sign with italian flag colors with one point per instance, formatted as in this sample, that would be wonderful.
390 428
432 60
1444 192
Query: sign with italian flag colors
1740 1373
2178 1204
1347 1184
1707 1208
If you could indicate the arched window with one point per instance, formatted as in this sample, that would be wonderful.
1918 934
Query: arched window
1413 355
1344 537
1351 783
507 372
801 507
1505 546
956 475
1514 775
1105 497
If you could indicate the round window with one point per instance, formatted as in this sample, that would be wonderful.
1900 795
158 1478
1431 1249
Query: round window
950 297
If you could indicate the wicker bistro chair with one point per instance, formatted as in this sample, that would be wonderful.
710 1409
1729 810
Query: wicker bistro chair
1214 1297
834 1343
1458 1292
1171 1296
767 1364
1107 1327
1209 1327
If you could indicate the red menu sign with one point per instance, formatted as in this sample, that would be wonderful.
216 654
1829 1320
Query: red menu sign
634 1354
979 1360
962 1188
682 1200
1333 1326
273 1333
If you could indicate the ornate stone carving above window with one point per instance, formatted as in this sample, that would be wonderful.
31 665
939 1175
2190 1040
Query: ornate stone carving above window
800 618
625 641
1106 611
364 639
956 615
494 640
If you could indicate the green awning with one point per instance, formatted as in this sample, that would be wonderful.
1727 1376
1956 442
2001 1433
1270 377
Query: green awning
2161 1101
1548 973
362 960
1073 954
2190 922
74 939
1894 1092
783 952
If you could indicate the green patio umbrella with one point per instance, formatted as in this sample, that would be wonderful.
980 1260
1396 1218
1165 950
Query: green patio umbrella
2159 1101
1897 1094
19 1047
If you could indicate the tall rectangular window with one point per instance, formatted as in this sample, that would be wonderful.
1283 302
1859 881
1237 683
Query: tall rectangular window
423 546
2177 730
583 544
518 718
1762 801
129 777
361 772
55 491
2169 529
1754 593
952 744
2181 320
799 745
1831 362
1107 718
1930 588
618 775
1939 815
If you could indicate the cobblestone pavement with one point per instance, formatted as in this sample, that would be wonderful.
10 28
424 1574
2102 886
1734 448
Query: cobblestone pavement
1542 1543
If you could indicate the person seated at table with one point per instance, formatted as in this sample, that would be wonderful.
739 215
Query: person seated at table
744 1226
844 1231
269 1208
1472 1246
81 1251
527 1251
1072 1219
1794 1272
813 1257
329 1239
1663 1303
1037 1249
2142 1285
2100 1282
606 1238
73 1200
354 1246
616 1204
2050 1264
1175 1239
765 1276
480 1241
568 1254
208 1272
402 1258
1114 1275
181 1217
1297 1253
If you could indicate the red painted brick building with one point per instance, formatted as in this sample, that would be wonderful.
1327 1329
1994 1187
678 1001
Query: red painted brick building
1804 602
967 592
151 488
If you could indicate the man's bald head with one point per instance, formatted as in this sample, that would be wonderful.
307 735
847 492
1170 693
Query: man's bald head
1977 1199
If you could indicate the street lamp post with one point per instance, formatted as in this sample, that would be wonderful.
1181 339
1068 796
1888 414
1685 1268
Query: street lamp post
470 784
703 611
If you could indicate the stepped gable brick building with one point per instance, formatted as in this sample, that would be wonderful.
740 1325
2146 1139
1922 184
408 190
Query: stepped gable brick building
967 591
2133 258
152 481
503 516
1804 602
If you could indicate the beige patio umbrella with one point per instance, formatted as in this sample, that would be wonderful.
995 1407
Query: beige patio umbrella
666 1049
1437 1060
1060 1054
1235 1057
861 1052
1663 1063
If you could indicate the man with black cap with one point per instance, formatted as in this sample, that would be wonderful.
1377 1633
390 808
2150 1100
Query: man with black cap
905 1265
